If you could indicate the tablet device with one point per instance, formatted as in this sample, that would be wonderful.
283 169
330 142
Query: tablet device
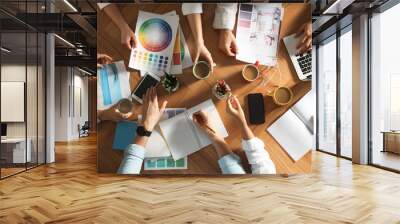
256 108
149 80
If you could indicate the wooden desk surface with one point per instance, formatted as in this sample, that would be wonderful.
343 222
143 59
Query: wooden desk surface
193 91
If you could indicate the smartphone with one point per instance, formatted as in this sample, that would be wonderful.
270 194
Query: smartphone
149 80
256 108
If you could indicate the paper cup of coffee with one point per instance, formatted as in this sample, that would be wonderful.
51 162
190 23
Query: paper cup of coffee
201 70
282 96
124 106
250 72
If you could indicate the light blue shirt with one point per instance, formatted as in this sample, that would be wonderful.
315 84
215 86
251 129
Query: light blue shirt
132 161
256 154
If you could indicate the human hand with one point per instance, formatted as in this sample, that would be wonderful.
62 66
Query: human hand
152 113
227 42
200 118
103 59
233 108
305 41
201 50
128 37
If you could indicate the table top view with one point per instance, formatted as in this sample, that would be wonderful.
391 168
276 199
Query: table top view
193 91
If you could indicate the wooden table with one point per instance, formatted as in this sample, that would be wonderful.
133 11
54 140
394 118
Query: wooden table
193 91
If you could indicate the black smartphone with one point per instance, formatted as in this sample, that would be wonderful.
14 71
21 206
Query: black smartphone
149 80
255 103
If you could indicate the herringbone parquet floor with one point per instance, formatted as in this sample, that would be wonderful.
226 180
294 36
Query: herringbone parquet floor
71 191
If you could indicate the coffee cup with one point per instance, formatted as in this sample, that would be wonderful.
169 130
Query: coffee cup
201 70
124 106
250 72
282 96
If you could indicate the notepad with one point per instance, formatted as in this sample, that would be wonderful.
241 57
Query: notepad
292 134
125 133
182 135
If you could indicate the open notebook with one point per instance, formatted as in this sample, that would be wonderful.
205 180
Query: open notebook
292 134
182 135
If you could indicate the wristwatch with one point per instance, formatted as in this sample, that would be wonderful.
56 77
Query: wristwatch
141 131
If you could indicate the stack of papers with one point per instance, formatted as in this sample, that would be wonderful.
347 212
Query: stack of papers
258 28
161 46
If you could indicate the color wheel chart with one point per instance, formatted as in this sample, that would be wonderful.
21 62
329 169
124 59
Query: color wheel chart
156 35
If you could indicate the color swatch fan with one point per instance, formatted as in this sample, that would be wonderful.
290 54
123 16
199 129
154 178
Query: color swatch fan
156 35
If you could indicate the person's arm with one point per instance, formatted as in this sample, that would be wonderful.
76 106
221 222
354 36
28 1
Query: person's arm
134 154
228 161
225 16
224 21
254 148
194 20
127 35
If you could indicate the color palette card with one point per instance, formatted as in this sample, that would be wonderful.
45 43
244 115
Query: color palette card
258 28
112 84
176 63
165 163
156 40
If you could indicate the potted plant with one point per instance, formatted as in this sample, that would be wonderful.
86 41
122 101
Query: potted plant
170 83
221 90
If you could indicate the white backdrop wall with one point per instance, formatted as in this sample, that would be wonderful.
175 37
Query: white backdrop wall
71 102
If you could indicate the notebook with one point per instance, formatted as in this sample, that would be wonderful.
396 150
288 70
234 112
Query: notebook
125 133
292 134
183 137
156 145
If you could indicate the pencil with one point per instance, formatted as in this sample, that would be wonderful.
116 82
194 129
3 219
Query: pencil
210 129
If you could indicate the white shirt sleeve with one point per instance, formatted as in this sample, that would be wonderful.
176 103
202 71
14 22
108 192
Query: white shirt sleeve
258 157
192 8
102 5
225 16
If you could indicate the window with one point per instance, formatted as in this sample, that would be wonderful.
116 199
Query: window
385 89
327 96
346 95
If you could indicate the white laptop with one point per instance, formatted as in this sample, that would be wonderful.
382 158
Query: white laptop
301 62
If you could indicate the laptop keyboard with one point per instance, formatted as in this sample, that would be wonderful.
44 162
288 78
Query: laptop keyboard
304 61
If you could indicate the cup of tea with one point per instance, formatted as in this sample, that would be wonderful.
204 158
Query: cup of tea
201 70
250 72
282 96
124 106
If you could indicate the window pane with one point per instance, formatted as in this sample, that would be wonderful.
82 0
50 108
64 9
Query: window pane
385 84
346 94
327 96
14 153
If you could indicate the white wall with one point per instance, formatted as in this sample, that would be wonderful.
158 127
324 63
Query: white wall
71 93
